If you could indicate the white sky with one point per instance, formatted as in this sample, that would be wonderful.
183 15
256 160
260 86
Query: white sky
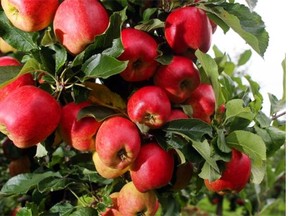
266 71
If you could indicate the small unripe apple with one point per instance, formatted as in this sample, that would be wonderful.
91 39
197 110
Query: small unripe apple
118 142
106 171
150 106
188 28
80 134
153 167
28 115
235 176
30 15
77 23
132 202
179 78
140 49
203 102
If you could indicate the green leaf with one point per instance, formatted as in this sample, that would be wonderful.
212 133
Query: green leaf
87 211
8 73
208 172
246 23
203 148
53 183
244 57
192 129
100 113
20 40
235 108
103 66
22 183
64 208
211 69
253 146
150 25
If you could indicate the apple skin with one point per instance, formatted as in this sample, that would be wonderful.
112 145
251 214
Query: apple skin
106 171
80 134
182 176
177 114
178 79
188 28
203 102
25 79
6 47
153 168
235 175
132 202
113 210
84 20
140 49
149 105
30 15
19 166
118 142
9 61
28 115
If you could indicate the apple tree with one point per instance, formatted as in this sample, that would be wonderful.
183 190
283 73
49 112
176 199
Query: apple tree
128 107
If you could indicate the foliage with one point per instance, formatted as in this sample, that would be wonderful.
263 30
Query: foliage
64 181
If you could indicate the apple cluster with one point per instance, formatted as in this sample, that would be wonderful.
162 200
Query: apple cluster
121 144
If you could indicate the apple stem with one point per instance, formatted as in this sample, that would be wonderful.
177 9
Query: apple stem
122 155
219 209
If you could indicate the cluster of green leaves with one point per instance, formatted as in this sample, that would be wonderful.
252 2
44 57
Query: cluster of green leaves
65 182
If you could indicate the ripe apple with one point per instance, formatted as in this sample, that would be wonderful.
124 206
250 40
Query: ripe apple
188 28
118 142
9 61
5 47
179 78
235 176
113 210
28 15
140 49
21 80
153 168
133 202
19 166
28 115
77 23
149 105
106 171
182 175
80 134
202 101
177 114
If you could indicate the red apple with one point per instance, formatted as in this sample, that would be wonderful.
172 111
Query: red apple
140 49
77 23
235 175
153 168
30 15
113 210
202 101
118 142
5 47
21 80
28 115
149 106
80 134
188 28
19 166
106 171
182 176
9 61
177 114
179 78
132 202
